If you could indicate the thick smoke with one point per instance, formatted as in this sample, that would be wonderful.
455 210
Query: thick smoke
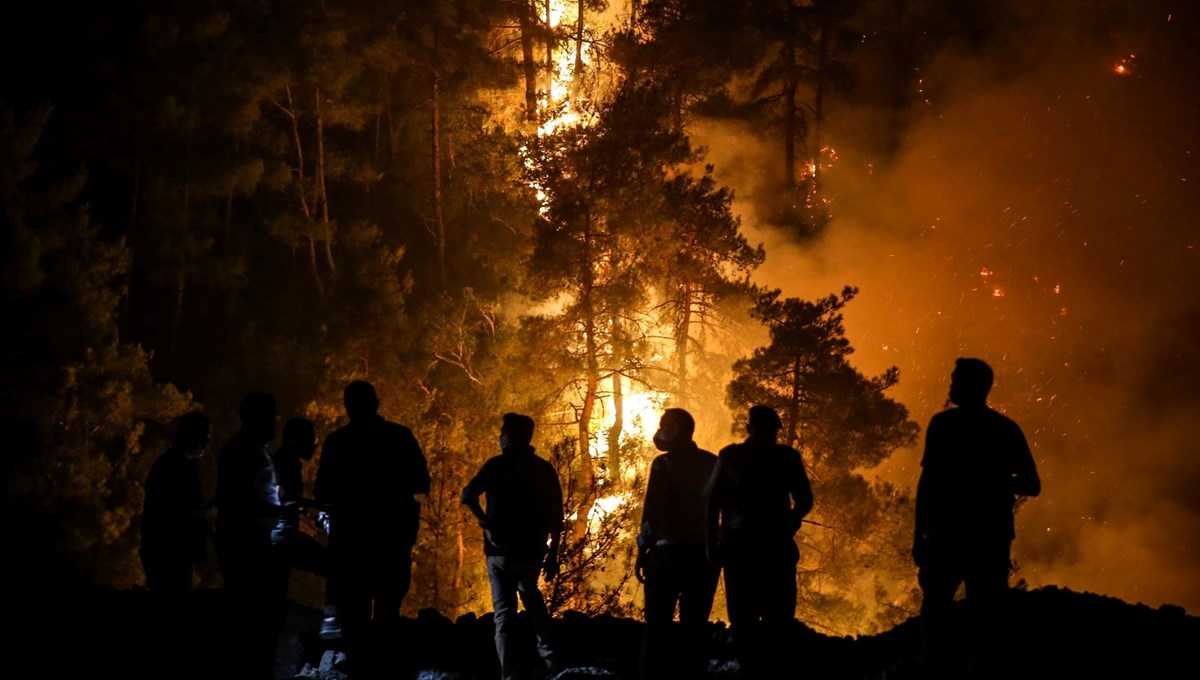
1040 212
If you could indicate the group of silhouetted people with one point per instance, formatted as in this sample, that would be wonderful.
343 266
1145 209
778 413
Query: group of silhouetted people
368 474
738 512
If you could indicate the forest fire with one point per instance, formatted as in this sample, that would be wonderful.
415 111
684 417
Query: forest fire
589 212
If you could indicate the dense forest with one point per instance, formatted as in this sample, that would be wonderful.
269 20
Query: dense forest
479 206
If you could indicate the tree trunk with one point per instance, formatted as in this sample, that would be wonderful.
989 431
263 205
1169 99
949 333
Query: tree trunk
578 48
303 194
550 70
439 222
312 263
818 104
615 462
794 406
682 331
790 112
326 225
177 320
133 241
181 279
527 60
591 385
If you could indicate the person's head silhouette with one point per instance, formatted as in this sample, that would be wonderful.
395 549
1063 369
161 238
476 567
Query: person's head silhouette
192 434
360 400
258 414
516 431
970 382
300 438
764 423
675 427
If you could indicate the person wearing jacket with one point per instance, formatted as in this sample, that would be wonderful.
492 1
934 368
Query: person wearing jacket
671 559
521 527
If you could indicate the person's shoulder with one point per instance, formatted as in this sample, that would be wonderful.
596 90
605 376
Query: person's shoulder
542 462
1003 422
731 449
660 461
399 432
787 452
163 464
394 427
492 466
234 442
495 461
1000 417
731 454
545 468
705 454
942 417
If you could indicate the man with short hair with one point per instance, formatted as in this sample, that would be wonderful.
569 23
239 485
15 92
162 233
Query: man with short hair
757 498
295 548
671 560
369 472
524 513
175 532
976 463
247 502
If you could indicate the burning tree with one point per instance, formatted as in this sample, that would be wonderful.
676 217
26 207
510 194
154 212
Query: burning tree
842 423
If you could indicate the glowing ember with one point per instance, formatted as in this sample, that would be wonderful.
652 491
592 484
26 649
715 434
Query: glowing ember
1125 66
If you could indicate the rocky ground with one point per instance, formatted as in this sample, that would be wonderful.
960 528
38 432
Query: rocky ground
87 630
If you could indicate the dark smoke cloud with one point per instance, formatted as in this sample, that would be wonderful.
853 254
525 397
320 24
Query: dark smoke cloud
1042 211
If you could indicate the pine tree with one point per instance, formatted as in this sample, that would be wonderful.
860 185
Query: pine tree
843 424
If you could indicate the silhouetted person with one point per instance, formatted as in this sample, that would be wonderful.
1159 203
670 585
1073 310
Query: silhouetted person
294 548
671 558
976 462
175 530
757 497
524 513
247 502
369 472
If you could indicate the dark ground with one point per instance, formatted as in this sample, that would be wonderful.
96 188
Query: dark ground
82 631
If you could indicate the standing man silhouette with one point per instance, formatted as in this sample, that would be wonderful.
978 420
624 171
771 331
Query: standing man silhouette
521 528
247 502
757 498
671 559
367 476
976 462
294 548
175 531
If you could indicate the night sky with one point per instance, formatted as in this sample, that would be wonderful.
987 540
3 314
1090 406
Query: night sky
1041 210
